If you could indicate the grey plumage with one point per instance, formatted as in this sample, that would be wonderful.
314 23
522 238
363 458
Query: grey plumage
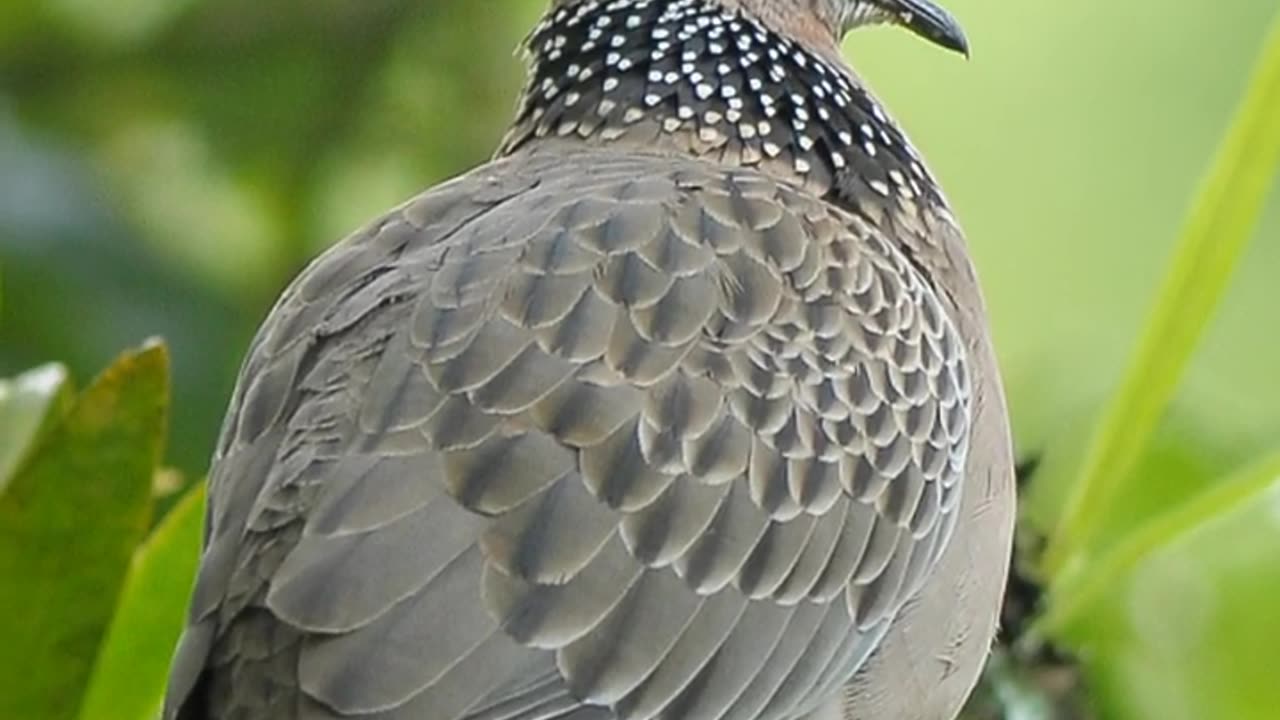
620 425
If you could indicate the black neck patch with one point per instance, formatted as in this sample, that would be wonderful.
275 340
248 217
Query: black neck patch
720 77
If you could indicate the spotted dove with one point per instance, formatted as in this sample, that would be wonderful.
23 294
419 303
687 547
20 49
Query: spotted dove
682 407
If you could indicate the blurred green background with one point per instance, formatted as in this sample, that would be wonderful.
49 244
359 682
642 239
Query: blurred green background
166 166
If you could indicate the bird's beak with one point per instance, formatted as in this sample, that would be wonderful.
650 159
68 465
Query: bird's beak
930 22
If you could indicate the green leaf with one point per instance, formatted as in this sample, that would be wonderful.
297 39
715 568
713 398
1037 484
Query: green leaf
1179 622
28 405
1068 602
1220 225
129 677
69 524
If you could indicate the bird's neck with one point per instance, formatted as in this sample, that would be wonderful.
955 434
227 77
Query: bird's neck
707 78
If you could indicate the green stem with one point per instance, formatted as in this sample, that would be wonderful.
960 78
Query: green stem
1067 602
1221 223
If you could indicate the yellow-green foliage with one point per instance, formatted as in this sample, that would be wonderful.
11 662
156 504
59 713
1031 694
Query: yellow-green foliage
166 166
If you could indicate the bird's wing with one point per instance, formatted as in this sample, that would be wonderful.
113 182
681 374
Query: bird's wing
935 650
666 438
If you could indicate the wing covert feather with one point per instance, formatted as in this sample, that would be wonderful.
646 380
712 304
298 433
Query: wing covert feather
679 443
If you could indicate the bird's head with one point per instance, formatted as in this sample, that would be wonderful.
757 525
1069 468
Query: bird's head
838 17
922 17
820 22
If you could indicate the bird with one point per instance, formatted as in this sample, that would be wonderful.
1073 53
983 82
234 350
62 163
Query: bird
683 406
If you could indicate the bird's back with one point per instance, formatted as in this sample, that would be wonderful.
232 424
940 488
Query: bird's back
598 432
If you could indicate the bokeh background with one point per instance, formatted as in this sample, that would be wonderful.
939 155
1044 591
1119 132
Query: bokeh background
166 166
